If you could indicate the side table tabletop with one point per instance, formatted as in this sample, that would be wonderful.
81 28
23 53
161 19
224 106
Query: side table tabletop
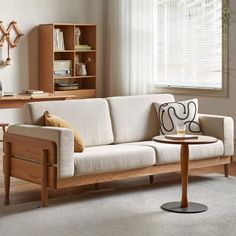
184 206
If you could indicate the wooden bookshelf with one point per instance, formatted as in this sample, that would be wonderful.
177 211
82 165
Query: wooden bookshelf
84 85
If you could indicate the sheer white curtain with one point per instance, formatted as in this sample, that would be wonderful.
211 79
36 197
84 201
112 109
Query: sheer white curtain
130 35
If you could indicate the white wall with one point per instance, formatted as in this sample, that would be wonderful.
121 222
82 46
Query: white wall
97 15
22 74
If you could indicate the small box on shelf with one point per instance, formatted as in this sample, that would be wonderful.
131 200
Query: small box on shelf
62 68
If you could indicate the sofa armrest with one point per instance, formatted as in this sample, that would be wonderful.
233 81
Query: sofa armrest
63 138
221 127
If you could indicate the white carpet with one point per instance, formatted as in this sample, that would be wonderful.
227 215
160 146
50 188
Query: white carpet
133 211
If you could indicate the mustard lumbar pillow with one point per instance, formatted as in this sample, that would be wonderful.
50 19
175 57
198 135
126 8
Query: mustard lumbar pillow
52 120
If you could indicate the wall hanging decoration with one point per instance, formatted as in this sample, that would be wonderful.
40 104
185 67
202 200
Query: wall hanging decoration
12 36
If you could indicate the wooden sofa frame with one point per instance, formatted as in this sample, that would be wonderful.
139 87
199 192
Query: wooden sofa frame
35 160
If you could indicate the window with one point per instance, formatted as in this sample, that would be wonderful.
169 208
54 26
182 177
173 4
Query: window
190 46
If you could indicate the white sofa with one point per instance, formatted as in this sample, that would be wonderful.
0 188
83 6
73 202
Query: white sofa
117 133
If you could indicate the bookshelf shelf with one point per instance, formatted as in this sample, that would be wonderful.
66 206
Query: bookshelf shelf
74 77
85 50
63 51
60 60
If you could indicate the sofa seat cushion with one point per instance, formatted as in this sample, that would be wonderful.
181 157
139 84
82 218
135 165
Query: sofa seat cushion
170 153
108 158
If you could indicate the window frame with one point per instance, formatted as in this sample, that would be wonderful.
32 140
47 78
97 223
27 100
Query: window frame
223 92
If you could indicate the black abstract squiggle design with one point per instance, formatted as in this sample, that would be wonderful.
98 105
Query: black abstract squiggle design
185 116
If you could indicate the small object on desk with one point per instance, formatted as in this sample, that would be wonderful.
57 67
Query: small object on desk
32 91
38 95
9 94
179 137
34 95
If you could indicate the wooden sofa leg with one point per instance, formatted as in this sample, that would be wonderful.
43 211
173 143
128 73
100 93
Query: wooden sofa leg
96 186
226 170
7 170
151 179
7 184
44 179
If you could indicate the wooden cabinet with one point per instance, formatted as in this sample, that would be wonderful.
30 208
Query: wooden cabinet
67 59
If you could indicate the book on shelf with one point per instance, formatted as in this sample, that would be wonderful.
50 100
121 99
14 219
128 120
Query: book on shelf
59 44
82 47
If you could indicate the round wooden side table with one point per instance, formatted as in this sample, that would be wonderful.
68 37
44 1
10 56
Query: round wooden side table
184 206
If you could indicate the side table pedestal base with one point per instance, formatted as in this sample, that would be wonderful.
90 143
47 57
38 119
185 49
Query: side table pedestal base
193 207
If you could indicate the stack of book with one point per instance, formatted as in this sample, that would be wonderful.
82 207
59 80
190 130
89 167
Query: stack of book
82 47
33 93
66 86
59 44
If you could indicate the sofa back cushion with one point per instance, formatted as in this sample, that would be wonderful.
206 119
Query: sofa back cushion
134 118
90 117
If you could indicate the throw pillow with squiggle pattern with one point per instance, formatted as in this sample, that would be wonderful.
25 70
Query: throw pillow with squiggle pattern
173 113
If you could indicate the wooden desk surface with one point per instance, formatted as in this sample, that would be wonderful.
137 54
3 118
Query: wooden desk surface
19 101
